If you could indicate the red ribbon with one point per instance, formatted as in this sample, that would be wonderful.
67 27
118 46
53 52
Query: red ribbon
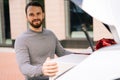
104 42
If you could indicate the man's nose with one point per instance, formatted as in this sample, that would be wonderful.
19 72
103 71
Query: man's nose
35 17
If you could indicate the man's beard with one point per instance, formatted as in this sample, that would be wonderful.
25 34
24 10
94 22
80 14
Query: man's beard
37 25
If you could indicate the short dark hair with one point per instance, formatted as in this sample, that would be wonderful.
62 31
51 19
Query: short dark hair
33 3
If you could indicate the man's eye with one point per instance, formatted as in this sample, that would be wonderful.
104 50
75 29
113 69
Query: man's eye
38 13
31 15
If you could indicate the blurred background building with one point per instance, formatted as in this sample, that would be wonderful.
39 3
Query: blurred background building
63 17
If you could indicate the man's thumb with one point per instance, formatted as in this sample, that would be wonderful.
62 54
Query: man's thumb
48 59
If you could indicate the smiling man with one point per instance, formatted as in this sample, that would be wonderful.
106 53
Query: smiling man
35 47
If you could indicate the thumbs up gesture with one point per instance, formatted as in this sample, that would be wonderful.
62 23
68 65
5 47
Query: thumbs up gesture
50 68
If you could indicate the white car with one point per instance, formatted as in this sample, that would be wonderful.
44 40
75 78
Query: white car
102 64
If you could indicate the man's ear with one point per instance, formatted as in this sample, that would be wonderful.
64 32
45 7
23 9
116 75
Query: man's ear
26 17
43 15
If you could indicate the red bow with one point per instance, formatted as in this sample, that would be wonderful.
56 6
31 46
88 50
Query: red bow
104 42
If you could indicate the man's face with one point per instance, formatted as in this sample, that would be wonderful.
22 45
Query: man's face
35 16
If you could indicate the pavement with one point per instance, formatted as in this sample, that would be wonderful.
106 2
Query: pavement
9 69
8 66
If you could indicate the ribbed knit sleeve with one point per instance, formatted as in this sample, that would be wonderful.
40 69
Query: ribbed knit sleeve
59 50
23 59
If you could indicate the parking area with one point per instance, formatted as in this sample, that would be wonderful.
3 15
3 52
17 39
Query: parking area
8 67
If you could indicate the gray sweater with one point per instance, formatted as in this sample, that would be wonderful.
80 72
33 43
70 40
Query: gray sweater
32 49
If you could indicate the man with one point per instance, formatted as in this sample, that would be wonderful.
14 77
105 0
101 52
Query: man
35 47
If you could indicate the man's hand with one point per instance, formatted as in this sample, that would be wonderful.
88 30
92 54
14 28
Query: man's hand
49 68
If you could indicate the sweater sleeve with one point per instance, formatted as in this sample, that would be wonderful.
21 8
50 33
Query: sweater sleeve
23 59
60 51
